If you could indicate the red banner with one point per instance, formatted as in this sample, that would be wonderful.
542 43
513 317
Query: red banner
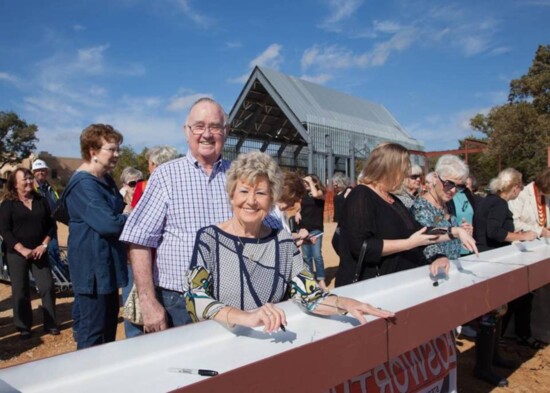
429 368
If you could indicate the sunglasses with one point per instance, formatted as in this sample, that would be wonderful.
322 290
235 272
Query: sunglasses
133 183
415 177
448 185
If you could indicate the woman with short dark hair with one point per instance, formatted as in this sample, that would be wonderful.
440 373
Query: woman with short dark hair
97 259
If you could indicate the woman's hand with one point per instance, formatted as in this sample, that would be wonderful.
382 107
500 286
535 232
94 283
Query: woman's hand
27 253
38 252
467 240
545 232
419 239
467 227
529 235
269 315
300 236
440 263
358 309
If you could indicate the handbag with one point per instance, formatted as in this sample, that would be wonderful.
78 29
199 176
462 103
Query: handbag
131 311
360 262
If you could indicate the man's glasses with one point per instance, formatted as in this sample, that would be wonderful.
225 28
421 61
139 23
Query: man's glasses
448 185
133 183
199 128
415 177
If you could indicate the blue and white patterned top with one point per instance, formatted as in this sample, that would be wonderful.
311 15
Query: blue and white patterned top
429 216
180 198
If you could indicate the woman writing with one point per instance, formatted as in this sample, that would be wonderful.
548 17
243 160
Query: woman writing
97 260
494 228
240 267
27 227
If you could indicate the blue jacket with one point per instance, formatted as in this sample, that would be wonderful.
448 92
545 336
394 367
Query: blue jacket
97 259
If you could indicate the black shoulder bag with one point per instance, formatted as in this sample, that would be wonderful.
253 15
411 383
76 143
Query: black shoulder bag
360 262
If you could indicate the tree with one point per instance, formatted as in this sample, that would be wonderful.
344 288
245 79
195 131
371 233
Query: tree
518 132
17 139
128 157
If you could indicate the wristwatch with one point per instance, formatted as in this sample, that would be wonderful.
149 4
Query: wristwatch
450 233
45 245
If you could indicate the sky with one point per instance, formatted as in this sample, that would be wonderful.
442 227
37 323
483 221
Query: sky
139 64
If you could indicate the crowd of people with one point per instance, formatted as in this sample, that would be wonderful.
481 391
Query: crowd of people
203 238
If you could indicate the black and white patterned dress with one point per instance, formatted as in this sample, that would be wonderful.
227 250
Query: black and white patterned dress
246 273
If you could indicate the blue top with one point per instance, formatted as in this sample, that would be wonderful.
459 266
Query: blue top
97 259
464 210
430 216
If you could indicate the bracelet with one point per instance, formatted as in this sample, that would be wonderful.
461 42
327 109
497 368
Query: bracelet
45 245
450 233
227 318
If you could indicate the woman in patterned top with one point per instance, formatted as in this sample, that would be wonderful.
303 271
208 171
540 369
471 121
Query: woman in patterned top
240 267
431 210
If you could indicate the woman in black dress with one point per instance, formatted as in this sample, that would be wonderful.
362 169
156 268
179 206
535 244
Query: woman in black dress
27 227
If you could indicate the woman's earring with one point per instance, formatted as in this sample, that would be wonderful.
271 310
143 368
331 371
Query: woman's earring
95 159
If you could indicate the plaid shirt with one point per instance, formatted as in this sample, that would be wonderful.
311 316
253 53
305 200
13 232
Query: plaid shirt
180 198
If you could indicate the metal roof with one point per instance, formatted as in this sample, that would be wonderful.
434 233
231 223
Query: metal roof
275 107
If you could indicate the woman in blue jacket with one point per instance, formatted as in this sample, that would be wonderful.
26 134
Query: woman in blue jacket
97 260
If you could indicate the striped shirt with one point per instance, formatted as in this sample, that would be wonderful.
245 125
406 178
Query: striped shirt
180 198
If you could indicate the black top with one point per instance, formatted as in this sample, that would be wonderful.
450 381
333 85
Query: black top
339 200
367 216
492 223
312 213
18 224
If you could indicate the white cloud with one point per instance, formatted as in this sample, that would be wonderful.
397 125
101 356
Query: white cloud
320 79
339 57
181 103
340 10
271 57
90 60
78 27
233 44
386 26
4 76
198 18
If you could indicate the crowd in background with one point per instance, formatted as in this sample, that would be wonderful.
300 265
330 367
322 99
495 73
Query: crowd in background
203 238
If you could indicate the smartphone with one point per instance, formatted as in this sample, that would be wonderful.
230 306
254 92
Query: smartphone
436 231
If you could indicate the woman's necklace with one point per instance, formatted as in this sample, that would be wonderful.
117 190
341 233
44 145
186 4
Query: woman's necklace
541 206
438 205
253 257
382 194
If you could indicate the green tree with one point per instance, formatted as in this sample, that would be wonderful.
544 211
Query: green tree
128 157
17 139
518 132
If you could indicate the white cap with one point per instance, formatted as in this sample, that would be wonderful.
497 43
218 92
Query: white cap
39 164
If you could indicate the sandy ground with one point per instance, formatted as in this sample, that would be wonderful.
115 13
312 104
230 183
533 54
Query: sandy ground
532 374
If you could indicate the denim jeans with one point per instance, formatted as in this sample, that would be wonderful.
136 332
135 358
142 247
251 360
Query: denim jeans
312 252
174 304
130 330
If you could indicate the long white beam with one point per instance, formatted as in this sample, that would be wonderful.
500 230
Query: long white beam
314 354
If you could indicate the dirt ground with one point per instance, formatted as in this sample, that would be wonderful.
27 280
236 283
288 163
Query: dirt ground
532 374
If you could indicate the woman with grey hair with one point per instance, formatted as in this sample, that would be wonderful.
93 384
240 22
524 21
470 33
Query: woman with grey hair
240 267
156 156
494 228
410 188
129 178
431 210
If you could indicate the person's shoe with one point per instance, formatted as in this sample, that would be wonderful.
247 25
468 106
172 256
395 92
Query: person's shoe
53 331
25 334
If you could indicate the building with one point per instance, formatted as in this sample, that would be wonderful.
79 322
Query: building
308 126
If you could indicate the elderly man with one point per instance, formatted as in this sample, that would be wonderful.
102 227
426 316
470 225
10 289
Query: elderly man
41 172
182 196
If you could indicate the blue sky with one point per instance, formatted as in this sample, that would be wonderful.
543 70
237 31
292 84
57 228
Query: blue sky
139 64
